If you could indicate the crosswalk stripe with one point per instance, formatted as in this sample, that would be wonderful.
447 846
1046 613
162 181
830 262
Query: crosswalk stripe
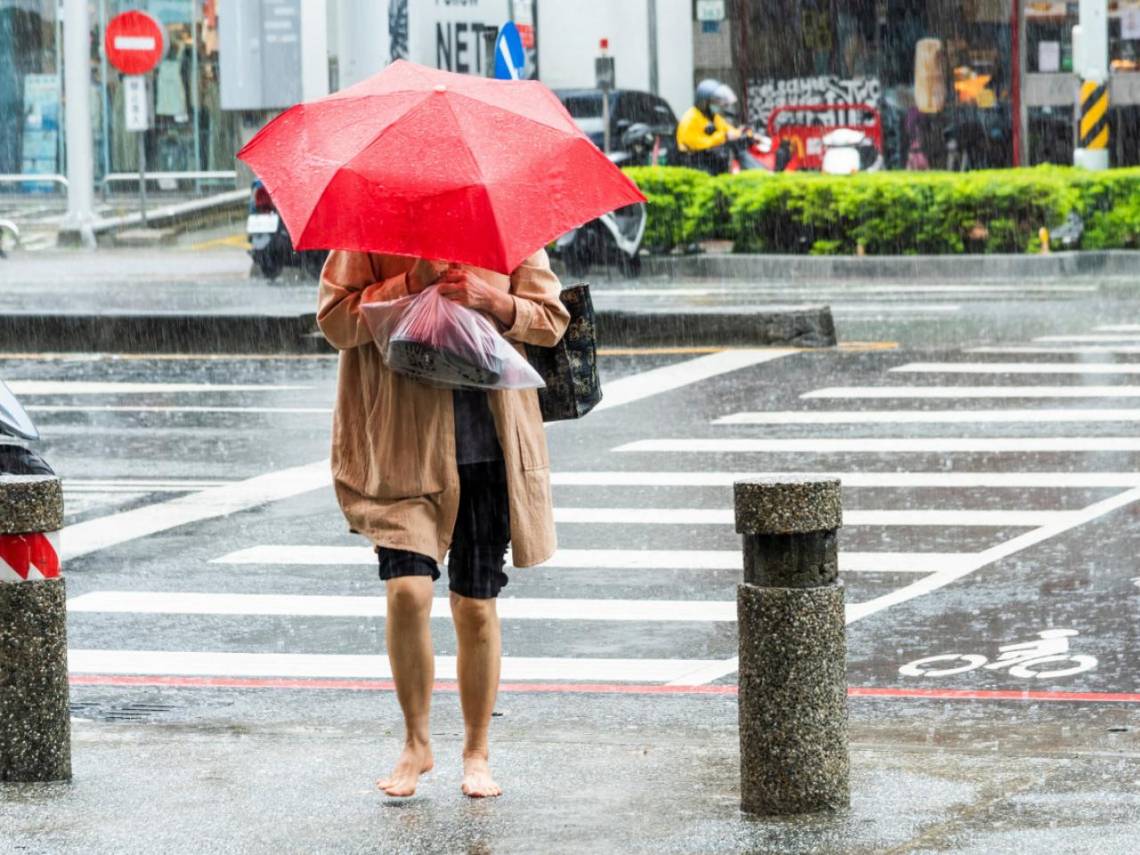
615 559
924 392
853 417
637 387
1018 368
705 516
1120 328
901 480
888 445
1101 336
74 408
1071 350
92 387
228 664
508 608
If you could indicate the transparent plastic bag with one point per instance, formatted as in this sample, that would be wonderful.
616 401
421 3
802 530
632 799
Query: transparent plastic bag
442 343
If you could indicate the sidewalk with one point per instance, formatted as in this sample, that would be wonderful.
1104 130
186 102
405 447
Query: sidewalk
619 773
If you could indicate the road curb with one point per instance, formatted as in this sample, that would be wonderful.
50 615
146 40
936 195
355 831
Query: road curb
199 212
910 268
20 332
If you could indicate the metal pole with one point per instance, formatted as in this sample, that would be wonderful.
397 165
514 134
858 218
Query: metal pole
653 83
142 174
1018 116
77 225
1090 62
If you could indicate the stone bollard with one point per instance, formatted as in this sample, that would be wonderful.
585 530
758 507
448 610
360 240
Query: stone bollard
793 648
35 720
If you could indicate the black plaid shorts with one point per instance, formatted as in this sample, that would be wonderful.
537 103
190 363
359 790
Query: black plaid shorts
478 542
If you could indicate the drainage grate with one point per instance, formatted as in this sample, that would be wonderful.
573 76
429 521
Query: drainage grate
120 712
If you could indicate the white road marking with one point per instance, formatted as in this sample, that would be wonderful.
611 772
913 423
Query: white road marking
1122 349
91 387
859 417
1018 368
888 445
996 553
128 485
1120 328
894 308
626 390
1101 336
706 516
509 608
901 480
590 559
923 392
72 408
347 666
92 535
970 564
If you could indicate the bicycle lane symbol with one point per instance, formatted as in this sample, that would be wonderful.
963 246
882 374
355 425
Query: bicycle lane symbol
1024 659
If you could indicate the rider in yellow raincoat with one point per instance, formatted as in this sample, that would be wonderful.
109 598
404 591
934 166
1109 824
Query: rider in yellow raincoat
703 133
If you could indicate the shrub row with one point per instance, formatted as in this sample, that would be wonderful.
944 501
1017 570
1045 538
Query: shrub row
889 212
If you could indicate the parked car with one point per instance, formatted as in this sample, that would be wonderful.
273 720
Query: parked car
628 107
271 247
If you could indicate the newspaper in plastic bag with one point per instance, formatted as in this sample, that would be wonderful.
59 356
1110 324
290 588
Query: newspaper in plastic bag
442 343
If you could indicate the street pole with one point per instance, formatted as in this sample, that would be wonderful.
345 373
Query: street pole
653 81
77 225
1090 56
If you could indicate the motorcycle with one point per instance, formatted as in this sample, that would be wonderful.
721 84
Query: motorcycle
271 247
16 430
614 238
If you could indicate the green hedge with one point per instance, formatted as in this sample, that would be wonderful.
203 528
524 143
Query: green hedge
889 212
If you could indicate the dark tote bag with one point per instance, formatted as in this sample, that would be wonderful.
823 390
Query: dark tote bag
570 368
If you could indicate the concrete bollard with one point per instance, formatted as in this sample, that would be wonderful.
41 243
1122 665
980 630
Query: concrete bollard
35 719
793 648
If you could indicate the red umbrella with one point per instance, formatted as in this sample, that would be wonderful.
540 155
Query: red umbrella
427 163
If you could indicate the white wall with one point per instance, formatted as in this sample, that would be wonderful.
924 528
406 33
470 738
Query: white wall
569 32
361 39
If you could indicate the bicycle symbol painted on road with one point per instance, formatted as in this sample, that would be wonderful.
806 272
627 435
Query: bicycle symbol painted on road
1024 660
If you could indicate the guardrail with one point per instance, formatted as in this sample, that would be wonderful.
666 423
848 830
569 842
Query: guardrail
33 178
189 175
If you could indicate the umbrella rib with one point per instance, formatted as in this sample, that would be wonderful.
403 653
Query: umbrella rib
332 177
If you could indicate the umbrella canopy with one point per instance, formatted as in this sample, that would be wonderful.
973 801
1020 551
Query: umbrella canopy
416 161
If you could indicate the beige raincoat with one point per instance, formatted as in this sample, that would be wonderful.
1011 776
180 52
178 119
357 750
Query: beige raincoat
393 438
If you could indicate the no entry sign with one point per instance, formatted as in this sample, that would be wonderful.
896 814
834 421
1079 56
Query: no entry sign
135 42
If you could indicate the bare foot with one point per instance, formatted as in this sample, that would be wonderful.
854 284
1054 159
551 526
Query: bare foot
477 780
413 762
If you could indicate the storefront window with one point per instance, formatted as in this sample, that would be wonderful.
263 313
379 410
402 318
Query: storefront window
191 132
31 139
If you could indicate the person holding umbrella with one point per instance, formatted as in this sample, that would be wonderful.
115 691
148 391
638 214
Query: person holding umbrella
419 178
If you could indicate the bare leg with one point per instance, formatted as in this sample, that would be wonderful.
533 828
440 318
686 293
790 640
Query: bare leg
480 648
408 634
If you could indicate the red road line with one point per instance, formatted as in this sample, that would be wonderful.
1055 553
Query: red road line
583 688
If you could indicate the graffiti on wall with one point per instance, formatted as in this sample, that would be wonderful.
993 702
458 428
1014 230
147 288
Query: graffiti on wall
766 95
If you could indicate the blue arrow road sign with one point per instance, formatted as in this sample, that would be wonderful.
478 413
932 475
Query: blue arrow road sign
510 58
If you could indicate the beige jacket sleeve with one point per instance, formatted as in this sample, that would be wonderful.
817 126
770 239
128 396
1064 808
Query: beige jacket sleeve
347 279
540 317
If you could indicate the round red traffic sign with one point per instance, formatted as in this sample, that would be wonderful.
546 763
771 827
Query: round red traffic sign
135 42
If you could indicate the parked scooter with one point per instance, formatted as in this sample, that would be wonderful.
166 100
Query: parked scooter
850 150
270 244
614 238
16 430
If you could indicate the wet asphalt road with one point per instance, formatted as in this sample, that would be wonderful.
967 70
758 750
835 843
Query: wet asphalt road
984 507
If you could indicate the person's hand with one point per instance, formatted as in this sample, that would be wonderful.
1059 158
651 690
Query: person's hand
469 289
423 274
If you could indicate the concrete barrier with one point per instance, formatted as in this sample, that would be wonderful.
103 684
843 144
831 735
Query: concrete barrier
35 720
793 648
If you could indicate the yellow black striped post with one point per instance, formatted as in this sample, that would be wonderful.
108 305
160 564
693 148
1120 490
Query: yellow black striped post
1094 115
